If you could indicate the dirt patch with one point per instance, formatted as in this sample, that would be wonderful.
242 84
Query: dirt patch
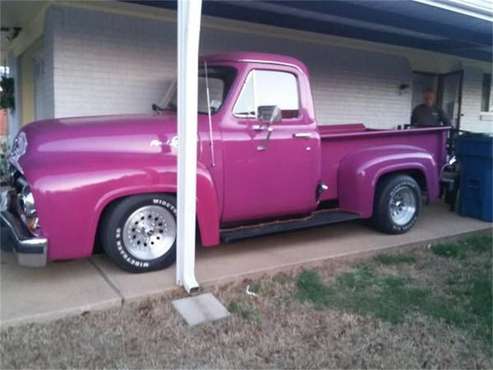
336 322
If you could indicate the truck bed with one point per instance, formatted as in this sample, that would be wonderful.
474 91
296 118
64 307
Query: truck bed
337 141
329 130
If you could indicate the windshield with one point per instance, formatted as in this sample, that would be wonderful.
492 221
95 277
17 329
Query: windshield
220 80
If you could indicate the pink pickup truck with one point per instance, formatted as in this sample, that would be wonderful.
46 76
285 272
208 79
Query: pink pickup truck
264 166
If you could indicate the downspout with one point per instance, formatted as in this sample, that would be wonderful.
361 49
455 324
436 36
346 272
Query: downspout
189 16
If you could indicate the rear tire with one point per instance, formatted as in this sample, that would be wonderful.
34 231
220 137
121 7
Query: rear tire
397 204
138 233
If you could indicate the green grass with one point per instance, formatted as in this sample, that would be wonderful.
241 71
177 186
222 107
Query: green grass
363 291
245 310
451 250
311 288
459 250
479 243
472 295
464 299
394 259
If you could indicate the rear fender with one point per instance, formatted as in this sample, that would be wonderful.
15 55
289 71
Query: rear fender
360 172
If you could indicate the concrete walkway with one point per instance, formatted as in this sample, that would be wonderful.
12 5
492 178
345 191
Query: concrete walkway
70 288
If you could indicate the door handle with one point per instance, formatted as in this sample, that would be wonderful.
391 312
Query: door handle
260 127
302 135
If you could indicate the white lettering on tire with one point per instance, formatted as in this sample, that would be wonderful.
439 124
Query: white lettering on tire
124 254
165 204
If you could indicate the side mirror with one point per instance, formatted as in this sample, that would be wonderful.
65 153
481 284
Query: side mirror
269 114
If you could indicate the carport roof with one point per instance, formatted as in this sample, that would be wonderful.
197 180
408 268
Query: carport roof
461 28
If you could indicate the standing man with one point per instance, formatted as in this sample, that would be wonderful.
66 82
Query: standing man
427 113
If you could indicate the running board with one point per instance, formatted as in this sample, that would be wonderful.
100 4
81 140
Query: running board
319 218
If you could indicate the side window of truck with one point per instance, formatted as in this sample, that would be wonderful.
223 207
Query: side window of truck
264 87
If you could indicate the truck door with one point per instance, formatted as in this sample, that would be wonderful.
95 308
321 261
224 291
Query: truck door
270 170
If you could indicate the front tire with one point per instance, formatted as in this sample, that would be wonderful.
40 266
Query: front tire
138 233
397 204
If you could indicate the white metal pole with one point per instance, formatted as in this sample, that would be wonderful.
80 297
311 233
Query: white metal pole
189 16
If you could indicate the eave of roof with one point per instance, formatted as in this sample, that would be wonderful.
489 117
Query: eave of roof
434 25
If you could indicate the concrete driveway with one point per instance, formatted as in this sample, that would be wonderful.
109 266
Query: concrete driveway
70 288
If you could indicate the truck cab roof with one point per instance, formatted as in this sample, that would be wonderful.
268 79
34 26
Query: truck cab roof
252 57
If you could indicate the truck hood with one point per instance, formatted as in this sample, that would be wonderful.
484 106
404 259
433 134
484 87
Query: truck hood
62 140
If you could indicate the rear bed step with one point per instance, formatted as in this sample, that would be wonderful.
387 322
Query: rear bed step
319 218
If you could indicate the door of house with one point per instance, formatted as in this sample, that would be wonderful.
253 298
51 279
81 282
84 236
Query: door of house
448 88
450 96
421 82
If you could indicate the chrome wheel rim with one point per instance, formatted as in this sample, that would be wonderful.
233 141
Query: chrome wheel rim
149 232
402 206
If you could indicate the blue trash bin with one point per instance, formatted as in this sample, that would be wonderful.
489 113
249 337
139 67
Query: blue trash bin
475 154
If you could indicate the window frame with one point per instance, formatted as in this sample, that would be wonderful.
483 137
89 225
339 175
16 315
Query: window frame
234 75
242 89
173 93
251 73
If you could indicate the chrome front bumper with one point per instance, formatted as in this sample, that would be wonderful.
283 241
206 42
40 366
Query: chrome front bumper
30 250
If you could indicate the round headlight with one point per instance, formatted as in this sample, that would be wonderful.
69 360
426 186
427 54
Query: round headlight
27 202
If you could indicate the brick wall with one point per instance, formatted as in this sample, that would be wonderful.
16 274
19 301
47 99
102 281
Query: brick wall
106 63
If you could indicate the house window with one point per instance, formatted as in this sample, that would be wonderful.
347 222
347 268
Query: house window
486 93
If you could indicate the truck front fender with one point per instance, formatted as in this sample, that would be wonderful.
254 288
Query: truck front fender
359 173
71 201
208 213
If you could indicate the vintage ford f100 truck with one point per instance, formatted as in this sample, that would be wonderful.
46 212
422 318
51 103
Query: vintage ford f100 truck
264 165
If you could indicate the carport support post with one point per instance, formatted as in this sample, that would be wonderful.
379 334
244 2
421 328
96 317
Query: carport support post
189 14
